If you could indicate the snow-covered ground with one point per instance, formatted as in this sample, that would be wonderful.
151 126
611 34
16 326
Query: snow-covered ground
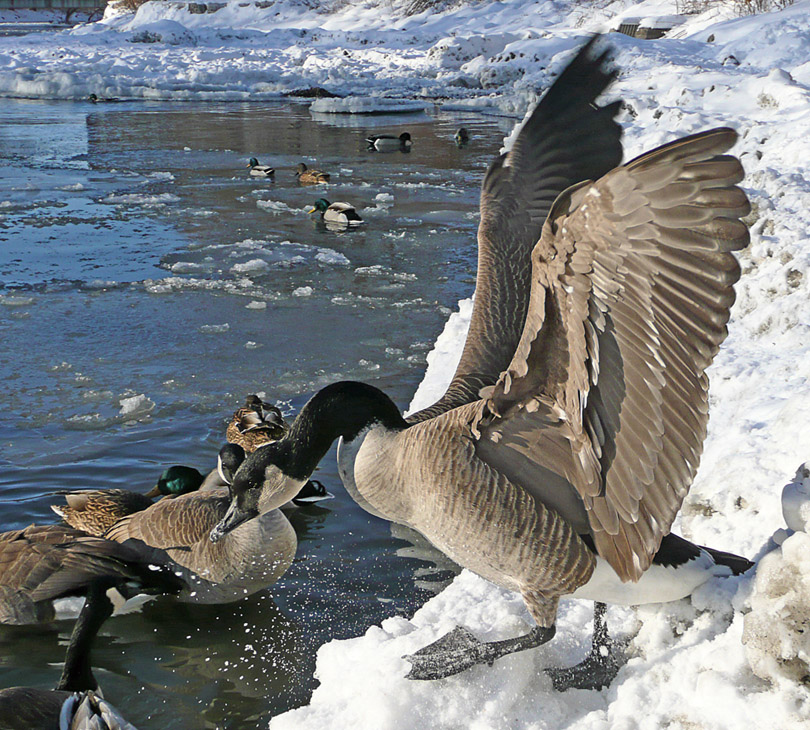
688 666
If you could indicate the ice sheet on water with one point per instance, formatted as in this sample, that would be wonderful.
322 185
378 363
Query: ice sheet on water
367 105
140 199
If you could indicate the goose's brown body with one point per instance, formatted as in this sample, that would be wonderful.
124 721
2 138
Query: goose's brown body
573 426
175 532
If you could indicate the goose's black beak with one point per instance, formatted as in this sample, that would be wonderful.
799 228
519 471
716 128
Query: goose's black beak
232 519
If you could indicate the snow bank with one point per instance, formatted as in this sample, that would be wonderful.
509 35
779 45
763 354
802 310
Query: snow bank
776 631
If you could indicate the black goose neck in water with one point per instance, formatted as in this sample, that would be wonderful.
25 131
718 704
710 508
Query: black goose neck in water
77 674
341 409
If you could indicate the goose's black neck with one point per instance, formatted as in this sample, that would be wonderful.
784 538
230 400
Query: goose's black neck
77 675
341 409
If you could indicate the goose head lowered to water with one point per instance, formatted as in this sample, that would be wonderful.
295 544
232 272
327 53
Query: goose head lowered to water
561 452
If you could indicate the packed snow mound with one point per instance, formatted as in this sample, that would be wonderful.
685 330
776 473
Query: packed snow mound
776 632
164 31
796 501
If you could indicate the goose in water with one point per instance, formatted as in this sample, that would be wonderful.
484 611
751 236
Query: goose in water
558 458
461 137
389 143
310 177
41 565
257 170
76 703
174 533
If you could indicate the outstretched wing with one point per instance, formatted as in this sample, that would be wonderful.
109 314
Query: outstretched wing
566 139
631 290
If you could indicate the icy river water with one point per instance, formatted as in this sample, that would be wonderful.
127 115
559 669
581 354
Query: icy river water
140 263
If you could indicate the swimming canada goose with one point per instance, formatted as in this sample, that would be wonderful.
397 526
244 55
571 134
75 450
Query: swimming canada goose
255 424
389 143
76 703
174 533
310 177
257 170
558 458
461 137
341 213
42 564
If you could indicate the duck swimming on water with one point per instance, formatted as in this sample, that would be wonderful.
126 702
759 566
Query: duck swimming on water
341 213
257 170
559 456
389 143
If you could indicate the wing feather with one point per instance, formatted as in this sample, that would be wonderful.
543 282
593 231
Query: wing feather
565 140
630 296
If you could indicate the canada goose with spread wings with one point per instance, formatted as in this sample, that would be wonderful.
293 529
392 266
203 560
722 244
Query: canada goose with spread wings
561 452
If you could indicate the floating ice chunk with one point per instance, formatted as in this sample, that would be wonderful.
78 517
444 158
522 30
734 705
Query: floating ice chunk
329 256
213 329
185 267
255 304
140 199
74 188
252 265
275 206
302 291
15 301
251 345
137 404
384 198
163 176
775 635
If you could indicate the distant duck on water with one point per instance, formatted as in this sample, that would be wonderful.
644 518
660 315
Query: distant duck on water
341 213
461 137
257 170
255 424
389 143
310 177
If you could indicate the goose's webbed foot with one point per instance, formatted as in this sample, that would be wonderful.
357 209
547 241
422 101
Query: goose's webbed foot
600 667
460 650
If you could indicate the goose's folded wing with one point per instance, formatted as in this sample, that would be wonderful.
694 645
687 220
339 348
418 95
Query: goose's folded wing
173 523
50 561
566 139
631 289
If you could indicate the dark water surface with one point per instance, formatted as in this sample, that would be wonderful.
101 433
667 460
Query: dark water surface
139 260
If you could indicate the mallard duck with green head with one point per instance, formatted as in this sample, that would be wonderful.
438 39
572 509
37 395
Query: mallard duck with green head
341 213
257 170
95 511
